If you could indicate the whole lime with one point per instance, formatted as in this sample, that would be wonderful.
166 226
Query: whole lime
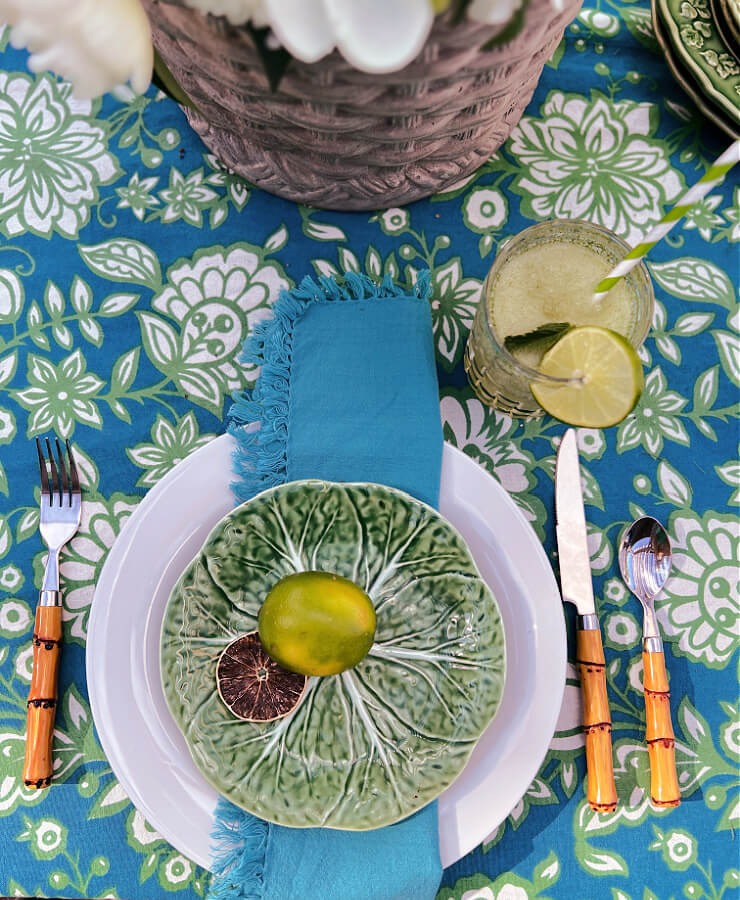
317 623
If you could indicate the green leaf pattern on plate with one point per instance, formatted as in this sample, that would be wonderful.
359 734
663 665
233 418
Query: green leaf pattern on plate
369 746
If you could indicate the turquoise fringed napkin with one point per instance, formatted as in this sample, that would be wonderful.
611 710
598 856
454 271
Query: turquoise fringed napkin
347 392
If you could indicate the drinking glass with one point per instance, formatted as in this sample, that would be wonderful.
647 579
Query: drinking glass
497 377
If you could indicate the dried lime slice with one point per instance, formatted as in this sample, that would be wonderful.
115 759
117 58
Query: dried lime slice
605 375
253 686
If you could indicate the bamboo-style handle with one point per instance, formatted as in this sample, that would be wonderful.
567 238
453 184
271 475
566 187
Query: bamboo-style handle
42 697
597 723
664 788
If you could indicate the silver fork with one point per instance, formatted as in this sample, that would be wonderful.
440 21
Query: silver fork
60 513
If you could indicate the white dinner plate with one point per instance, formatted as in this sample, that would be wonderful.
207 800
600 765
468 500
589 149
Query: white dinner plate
144 746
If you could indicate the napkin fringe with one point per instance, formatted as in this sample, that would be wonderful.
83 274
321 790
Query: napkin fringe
260 458
240 845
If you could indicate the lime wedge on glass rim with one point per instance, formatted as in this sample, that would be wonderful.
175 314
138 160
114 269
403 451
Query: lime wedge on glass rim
605 378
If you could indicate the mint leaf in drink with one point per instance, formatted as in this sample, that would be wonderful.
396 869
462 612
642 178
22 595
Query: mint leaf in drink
543 338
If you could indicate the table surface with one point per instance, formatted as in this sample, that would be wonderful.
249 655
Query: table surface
124 241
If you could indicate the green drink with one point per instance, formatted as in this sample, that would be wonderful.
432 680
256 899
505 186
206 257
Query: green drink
546 276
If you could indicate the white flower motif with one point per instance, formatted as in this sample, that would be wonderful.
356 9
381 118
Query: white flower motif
58 396
178 869
483 436
701 600
186 197
11 578
703 218
591 442
15 617
136 196
615 591
216 299
96 46
484 209
455 298
171 444
594 159
394 221
48 836
678 849
53 158
621 630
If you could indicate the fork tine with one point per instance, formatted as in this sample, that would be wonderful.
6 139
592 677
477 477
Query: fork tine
42 469
64 491
55 488
73 471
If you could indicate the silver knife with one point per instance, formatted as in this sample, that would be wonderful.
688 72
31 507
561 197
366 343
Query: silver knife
577 588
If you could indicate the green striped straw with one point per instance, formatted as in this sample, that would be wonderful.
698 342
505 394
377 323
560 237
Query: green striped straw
703 186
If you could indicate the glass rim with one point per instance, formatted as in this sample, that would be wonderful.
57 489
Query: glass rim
535 374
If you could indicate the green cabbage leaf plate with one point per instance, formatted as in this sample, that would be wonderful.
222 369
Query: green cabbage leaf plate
371 745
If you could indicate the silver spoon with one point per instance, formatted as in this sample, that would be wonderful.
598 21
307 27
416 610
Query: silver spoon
645 563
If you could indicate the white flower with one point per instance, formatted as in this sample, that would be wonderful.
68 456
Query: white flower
53 160
621 630
49 837
96 46
372 35
485 208
591 442
11 578
493 12
394 221
483 434
15 617
615 591
177 870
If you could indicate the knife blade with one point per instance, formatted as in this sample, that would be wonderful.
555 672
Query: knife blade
577 588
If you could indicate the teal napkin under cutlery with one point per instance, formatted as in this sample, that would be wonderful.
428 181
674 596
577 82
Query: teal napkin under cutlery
347 391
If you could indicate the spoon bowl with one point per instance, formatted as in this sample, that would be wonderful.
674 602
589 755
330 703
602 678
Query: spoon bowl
645 558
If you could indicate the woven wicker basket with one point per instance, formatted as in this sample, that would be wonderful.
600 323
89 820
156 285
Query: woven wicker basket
337 138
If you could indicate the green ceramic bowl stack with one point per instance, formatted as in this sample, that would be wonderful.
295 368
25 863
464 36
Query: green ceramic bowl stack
701 43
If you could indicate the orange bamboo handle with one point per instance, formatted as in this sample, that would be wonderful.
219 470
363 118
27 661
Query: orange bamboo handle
42 697
597 723
664 788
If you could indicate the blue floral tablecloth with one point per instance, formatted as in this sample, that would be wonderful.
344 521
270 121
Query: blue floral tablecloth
132 266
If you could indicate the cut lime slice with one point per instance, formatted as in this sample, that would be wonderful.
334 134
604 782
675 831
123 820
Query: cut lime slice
606 378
